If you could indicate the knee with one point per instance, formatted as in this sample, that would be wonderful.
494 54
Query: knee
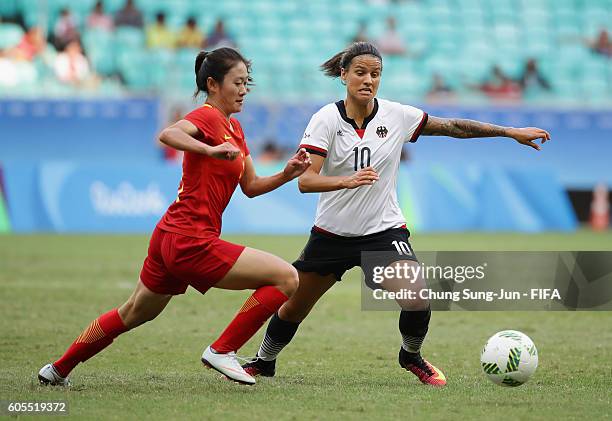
288 281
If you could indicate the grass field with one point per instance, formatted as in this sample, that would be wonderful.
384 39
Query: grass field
342 363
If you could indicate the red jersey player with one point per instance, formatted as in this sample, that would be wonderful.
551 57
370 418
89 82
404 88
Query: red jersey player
185 248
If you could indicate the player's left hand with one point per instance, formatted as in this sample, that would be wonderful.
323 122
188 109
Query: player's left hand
526 136
297 164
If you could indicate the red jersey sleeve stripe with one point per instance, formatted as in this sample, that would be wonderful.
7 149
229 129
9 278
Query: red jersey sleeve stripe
315 150
419 129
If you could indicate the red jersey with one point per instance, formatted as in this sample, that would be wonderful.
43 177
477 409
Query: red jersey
208 183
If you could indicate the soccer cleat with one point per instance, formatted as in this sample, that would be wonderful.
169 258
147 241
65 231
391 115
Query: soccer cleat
427 373
228 365
48 375
259 367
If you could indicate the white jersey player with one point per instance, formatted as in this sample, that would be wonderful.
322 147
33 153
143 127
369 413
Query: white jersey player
355 145
348 148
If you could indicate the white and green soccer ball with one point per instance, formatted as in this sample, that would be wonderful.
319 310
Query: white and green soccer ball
509 358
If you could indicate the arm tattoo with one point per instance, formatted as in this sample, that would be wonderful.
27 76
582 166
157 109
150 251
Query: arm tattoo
460 128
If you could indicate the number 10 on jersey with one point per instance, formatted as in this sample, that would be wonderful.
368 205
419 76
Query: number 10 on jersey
365 157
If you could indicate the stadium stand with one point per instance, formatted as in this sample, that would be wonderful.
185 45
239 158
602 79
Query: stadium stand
460 39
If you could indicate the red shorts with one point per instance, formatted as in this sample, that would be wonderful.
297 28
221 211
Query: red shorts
175 261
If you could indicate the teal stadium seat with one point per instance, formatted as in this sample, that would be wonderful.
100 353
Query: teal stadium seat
8 8
10 35
99 46
127 38
134 66
112 6
460 39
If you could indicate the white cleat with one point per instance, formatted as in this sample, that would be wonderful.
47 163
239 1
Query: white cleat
49 376
228 365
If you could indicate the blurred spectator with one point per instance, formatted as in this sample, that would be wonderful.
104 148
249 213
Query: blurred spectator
65 29
191 36
219 37
500 87
158 34
532 78
270 153
439 90
31 45
72 67
602 44
9 73
391 42
129 15
98 19
362 33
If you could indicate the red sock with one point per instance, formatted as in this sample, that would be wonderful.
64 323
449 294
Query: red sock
264 302
98 335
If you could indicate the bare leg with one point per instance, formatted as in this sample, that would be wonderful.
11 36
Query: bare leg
142 306
311 288
411 284
256 268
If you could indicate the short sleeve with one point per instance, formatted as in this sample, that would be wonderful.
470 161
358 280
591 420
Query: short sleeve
317 135
414 122
201 120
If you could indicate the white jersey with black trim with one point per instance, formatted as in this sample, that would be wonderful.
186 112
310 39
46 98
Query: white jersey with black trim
348 148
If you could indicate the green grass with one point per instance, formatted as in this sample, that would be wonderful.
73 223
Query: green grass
342 363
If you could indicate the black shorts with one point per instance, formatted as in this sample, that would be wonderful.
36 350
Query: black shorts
327 253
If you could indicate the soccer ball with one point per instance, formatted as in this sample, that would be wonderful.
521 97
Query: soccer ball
509 358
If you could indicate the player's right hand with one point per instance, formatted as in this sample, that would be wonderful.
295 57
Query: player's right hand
224 151
364 177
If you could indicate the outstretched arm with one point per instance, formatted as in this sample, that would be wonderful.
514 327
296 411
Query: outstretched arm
253 185
461 128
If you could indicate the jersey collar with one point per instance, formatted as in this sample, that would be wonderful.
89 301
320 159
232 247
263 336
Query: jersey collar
342 111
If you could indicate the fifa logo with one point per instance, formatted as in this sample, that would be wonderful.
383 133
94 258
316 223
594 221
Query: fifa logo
382 131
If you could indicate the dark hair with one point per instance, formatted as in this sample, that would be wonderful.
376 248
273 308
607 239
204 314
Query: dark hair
342 60
217 64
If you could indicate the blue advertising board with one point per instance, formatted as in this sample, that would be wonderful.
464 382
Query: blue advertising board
62 196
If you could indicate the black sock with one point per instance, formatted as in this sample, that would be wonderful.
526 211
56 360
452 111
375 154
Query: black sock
413 326
278 334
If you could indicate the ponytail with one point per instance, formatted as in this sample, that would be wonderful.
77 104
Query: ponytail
200 73
333 67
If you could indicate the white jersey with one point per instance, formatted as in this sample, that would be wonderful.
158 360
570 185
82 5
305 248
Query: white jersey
347 148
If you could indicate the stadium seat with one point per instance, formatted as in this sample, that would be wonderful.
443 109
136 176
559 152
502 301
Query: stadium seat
128 39
8 8
460 39
99 48
10 35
